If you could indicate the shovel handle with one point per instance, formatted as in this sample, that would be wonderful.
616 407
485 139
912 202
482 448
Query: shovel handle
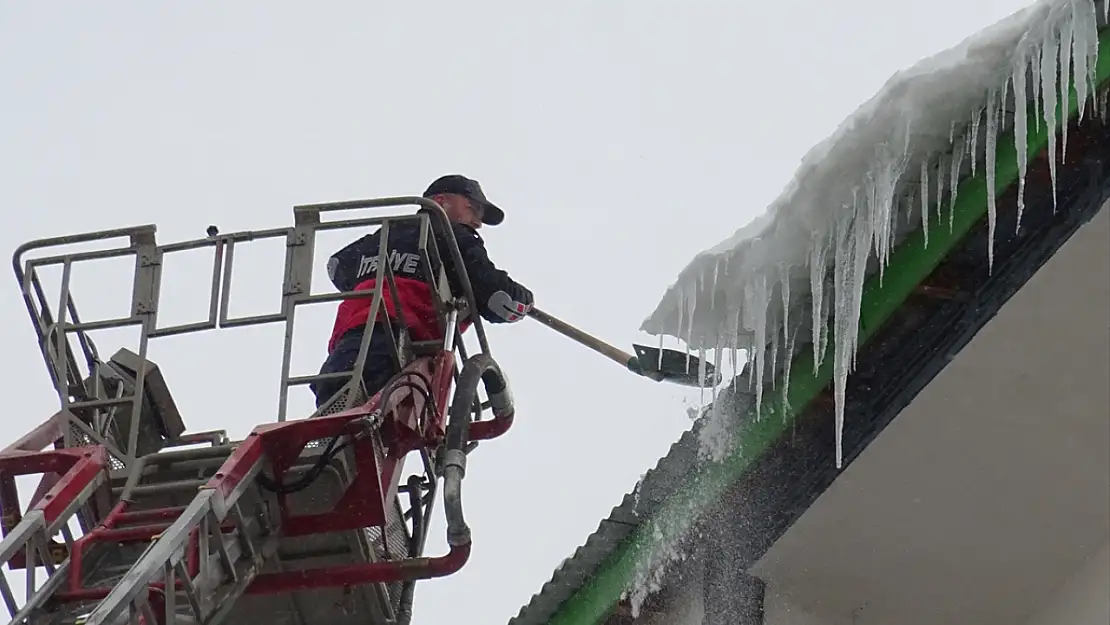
620 356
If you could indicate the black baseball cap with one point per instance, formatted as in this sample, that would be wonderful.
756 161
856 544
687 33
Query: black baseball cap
471 190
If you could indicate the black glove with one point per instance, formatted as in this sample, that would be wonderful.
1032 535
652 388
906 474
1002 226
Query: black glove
513 304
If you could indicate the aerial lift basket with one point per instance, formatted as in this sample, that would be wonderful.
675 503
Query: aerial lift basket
303 522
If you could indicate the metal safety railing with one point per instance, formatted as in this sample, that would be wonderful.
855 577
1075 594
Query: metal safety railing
58 326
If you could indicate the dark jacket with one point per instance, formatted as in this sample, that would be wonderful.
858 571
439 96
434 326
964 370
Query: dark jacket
354 268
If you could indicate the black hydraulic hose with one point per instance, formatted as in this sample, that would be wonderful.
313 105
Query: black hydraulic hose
480 368
310 476
333 449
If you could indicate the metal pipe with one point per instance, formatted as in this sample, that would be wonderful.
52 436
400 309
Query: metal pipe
215 437
359 574
151 514
167 487
163 458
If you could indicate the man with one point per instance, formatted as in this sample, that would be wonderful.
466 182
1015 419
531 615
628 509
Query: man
354 268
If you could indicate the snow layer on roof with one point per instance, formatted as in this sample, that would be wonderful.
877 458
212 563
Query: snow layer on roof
882 172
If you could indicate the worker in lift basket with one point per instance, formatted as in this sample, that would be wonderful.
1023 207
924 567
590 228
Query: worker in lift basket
353 268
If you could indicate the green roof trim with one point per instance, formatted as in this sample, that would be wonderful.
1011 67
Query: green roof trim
910 263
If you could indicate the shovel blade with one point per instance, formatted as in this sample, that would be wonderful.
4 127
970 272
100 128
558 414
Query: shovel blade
669 365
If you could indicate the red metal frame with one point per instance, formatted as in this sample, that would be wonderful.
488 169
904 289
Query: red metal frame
75 469
44 435
364 502
109 530
78 467
66 473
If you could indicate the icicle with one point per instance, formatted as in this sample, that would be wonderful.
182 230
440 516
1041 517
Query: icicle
759 309
680 294
774 353
992 140
851 258
735 335
863 232
818 255
854 232
733 355
909 202
1091 44
957 162
1079 55
1048 94
747 352
840 366
787 339
717 364
659 364
896 214
1066 37
925 200
909 130
1021 140
883 185
940 185
1002 117
975 140
701 377
876 243
692 302
713 286
1035 63
968 150
1086 53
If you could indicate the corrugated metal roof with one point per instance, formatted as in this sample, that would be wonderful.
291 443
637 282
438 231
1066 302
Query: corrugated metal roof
657 485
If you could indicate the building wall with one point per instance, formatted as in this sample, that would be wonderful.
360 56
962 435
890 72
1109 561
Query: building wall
779 609
1082 600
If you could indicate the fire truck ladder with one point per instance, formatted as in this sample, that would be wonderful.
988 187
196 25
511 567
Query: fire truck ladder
303 522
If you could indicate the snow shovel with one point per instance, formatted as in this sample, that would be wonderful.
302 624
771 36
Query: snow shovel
661 365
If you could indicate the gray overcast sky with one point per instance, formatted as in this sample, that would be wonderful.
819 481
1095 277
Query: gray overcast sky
621 138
